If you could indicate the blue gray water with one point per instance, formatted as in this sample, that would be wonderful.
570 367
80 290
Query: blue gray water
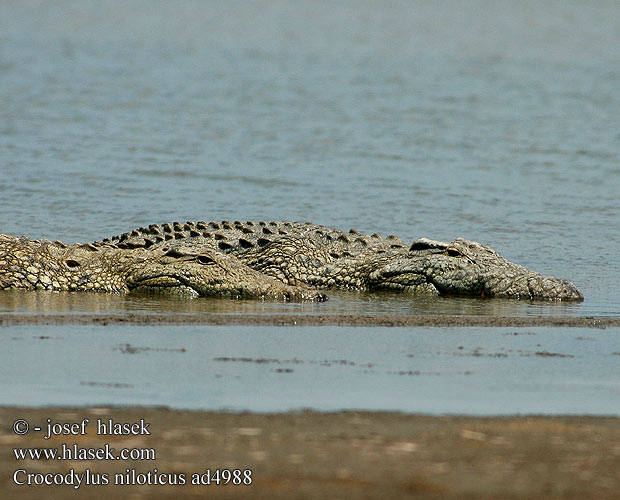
495 121
430 370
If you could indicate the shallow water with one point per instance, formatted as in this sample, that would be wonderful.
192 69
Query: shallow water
340 302
493 121
429 370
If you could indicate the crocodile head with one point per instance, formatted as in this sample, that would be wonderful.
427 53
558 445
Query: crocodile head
464 267
185 272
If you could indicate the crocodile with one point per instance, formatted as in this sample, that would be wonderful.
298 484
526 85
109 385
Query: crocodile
45 265
322 257
309 257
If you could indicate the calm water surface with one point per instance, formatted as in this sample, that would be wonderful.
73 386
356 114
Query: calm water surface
495 121
428 370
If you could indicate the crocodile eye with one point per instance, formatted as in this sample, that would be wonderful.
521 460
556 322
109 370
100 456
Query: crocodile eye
426 244
72 263
205 259
453 252
174 254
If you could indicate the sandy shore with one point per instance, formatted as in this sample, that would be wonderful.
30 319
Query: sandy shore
318 455
11 319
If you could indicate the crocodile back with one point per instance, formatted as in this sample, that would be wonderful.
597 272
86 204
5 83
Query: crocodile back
238 237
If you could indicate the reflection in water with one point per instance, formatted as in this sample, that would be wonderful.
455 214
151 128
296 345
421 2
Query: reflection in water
339 302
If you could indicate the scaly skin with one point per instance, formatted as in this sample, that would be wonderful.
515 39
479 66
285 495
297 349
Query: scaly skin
322 257
254 258
42 265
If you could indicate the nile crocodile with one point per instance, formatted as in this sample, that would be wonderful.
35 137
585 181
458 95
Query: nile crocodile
43 265
272 259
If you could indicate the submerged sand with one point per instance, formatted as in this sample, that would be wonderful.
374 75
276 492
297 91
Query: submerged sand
12 319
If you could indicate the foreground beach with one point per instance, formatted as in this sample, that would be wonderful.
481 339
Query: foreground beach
310 455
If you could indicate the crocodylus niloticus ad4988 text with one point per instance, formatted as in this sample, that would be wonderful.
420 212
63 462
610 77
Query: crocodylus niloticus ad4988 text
285 260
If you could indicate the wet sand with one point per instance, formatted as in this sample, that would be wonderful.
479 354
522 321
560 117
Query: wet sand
12 319
331 455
